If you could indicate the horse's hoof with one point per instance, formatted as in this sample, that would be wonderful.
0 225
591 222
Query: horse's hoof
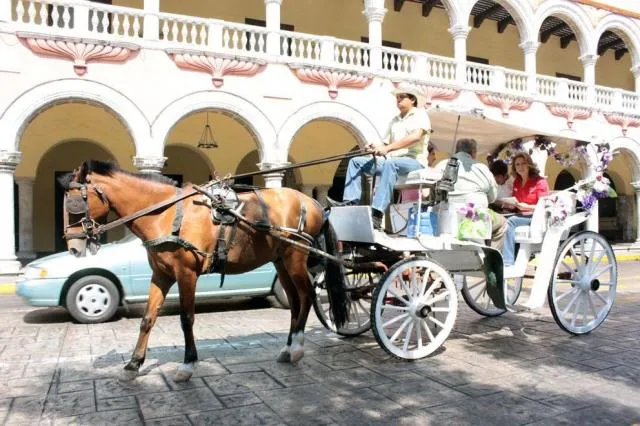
128 375
184 373
296 356
284 357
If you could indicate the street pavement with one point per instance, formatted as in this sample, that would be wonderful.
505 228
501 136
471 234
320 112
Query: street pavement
513 370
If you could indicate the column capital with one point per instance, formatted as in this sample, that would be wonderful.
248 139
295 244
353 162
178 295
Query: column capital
374 14
9 160
635 70
459 31
24 180
278 2
636 186
530 46
589 59
149 164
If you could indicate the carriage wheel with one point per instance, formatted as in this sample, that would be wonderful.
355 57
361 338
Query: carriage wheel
583 285
474 292
414 308
359 288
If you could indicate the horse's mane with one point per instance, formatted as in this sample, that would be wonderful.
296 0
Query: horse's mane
108 168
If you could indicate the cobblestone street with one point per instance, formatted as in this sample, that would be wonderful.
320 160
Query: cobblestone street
516 369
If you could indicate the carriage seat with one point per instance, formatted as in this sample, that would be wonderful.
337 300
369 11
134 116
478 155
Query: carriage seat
426 176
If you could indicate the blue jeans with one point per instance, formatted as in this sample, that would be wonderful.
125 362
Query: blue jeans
509 247
387 170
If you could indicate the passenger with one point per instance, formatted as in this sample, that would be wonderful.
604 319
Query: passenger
405 148
500 172
528 188
476 185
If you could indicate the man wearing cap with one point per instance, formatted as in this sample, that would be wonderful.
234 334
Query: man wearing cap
404 149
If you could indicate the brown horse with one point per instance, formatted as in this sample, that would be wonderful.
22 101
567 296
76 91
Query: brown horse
97 188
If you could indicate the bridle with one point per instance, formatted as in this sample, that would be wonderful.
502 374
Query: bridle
78 205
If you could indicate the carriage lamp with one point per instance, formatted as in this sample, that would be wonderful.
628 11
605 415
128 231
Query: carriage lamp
206 140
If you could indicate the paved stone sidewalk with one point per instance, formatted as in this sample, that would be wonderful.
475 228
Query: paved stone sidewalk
516 369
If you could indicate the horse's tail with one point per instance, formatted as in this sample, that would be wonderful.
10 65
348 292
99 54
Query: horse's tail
334 277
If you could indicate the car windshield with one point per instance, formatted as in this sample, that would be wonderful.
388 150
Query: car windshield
127 238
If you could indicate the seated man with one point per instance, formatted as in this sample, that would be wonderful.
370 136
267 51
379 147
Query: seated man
500 172
476 185
405 150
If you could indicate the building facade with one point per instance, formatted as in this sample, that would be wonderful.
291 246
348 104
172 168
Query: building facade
285 81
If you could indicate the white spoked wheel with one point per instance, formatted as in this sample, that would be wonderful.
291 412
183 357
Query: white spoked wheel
583 286
359 287
414 308
474 292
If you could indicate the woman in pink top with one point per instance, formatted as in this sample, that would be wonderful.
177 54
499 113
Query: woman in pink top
528 188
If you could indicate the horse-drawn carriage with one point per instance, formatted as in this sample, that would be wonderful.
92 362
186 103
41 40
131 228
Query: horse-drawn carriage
404 287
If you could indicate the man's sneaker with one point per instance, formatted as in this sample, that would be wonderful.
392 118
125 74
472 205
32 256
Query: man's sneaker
334 203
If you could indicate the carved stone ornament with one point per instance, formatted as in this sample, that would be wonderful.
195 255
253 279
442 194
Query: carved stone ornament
215 64
332 78
9 160
79 51
149 164
623 120
433 92
571 113
505 102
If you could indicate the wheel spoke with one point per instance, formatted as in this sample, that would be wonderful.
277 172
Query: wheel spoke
593 308
400 329
418 329
397 296
440 310
407 337
437 298
603 270
479 283
602 299
428 331
565 294
570 304
436 321
395 319
395 308
576 311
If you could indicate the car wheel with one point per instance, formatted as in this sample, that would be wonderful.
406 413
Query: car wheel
280 294
92 299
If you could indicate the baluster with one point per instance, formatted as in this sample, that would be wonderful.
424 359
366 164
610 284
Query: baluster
365 57
285 45
42 13
385 60
252 42
115 25
203 34
351 55
94 20
104 21
165 30
20 12
225 38
261 43
316 50
235 40
55 15
309 52
174 31
184 32
359 57
406 64
31 13
194 33
66 17
243 40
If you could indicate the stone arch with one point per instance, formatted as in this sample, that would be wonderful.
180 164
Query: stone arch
23 109
453 11
574 16
625 29
198 152
631 147
249 115
362 128
520 11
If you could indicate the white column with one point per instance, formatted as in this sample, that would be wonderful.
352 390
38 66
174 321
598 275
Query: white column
25 219
151 29
274 179
589 65
374 11
80 18
636 75
149 164
273 26
636 187
8 262
530 49
460 34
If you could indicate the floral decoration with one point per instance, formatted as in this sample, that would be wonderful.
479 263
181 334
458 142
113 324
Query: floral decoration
473 222
557 210
589 193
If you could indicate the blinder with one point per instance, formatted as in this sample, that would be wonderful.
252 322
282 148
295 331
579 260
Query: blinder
78 205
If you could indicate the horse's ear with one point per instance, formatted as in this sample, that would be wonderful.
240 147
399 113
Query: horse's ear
81 174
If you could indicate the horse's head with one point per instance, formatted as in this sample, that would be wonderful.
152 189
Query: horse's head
85 206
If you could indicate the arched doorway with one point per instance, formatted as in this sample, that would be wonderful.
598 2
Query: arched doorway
564 180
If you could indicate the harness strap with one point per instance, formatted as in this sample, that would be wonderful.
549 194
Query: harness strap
262 224
177 220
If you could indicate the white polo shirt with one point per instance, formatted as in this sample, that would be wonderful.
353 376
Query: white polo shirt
400 127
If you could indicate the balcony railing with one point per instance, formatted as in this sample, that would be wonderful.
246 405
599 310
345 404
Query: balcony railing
157 30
